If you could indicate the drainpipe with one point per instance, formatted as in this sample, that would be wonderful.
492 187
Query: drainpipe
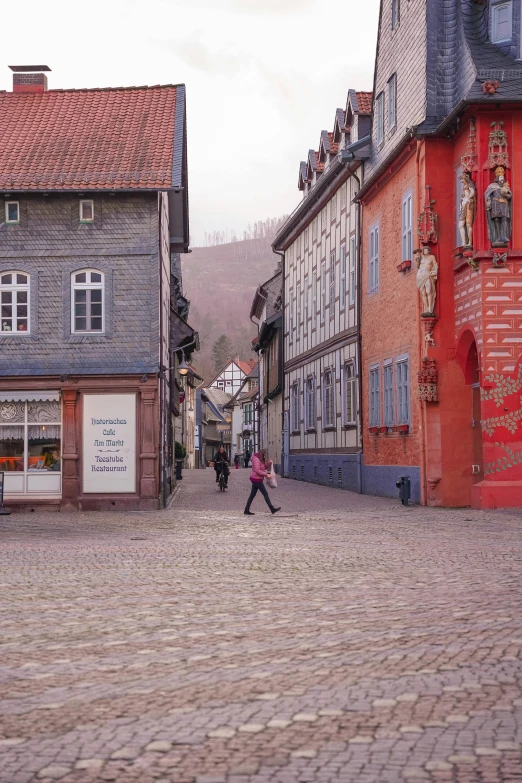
422 405
281 255
359 331
258 395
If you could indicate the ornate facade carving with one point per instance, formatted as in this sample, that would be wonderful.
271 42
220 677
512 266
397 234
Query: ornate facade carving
498 209
428 379
498 146
428 224
427 274
468 210
469 159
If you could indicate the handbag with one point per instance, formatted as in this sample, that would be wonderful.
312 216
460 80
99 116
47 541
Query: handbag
272 481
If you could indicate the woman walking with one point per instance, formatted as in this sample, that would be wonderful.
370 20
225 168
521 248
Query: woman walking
257 477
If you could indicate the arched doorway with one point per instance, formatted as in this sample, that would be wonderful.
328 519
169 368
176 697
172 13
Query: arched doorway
468 358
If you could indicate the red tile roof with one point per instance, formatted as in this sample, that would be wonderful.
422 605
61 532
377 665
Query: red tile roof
364 99
121 138
247 367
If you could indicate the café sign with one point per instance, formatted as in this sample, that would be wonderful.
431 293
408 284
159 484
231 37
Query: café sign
109 443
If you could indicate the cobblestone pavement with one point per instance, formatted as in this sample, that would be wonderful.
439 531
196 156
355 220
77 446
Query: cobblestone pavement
349 641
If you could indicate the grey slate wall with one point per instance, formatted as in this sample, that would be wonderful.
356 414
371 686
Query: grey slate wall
49 244
401 51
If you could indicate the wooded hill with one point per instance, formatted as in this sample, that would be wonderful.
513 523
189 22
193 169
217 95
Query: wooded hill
220 281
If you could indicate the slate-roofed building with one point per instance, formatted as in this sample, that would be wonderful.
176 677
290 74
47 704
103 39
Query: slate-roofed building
440 300
320 241
95 192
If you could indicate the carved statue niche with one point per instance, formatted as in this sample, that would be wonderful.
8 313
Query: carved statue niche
468 210
427 274
498 209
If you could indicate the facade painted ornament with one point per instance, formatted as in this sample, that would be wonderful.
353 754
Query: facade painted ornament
468 210
427 274
498 146
490 86
498 197
499 260
428 379
428 224
469 159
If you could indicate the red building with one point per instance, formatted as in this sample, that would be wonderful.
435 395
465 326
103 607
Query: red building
442 327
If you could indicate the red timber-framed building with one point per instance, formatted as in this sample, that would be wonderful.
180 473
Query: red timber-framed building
442 328
93 217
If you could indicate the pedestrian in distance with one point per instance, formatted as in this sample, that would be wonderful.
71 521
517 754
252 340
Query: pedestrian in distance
236 461
257 478
221 464
247 457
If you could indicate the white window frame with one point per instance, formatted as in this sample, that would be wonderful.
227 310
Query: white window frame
342 278
349 385
331 292
495 36
407 226
87 286
374 256
323 290
388 385
351 270
395 14
14 288
328 391
379 118
295 408
402 383
314 300
83 202
392 101
7 220
311 403
375 395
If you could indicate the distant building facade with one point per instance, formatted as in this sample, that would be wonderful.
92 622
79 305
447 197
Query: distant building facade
231 377
267 309
320 244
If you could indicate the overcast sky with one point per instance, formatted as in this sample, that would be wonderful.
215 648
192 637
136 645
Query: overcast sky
263 78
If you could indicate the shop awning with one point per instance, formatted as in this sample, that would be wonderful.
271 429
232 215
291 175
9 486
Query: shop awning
29 396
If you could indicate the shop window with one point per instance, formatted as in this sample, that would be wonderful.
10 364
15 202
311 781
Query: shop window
12 212
30 437
87 301
14 302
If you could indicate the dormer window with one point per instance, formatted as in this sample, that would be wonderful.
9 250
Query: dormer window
86 211
395 13
12 212
502 22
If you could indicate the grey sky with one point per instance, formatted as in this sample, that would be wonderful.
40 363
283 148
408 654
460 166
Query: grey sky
263 78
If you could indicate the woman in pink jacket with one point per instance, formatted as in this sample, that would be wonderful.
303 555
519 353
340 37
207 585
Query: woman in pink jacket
257 477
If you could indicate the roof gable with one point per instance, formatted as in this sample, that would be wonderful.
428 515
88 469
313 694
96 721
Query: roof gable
117 139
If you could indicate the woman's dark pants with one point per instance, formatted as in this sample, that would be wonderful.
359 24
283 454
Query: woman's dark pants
258 486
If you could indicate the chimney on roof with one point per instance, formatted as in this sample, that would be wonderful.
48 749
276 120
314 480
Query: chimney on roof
29 78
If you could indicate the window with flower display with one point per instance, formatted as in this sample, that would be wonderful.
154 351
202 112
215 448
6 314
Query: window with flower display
87 301
30 436
14 302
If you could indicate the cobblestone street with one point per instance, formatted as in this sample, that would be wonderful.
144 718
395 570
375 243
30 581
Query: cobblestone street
345 640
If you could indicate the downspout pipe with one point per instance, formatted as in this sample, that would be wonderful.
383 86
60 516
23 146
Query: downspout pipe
258 395
422 405
281 255
359 330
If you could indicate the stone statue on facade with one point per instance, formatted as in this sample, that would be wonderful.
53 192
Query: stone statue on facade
498 209
468 210
427 273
